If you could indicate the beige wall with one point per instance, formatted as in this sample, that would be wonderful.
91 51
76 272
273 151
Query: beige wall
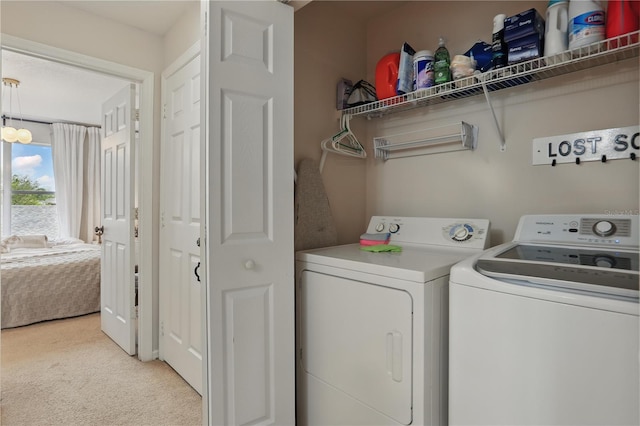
184 34
54 24
329 45
500 186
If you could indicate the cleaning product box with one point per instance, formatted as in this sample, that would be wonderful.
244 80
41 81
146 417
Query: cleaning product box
523 24
525 48
524 34
405 70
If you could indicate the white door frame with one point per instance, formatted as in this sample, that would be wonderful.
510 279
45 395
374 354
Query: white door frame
146 328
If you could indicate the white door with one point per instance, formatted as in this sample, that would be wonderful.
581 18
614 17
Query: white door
250 257
117 285
181 292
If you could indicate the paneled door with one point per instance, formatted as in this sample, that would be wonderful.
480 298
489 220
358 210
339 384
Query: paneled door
117 283
181 291
249 250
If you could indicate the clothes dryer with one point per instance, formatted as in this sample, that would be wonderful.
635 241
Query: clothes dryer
372 327
544 330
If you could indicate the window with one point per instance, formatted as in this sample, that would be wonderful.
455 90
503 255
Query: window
29 201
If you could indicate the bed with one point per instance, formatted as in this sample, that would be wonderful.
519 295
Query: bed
54 280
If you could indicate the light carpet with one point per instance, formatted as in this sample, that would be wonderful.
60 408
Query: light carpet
67 372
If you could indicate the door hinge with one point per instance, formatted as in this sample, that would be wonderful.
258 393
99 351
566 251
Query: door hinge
162 328
134 312
137 115
164 111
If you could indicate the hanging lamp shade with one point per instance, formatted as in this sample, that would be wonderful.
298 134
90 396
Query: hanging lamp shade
9 133
24 136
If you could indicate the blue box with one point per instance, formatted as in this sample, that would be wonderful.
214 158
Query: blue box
523 24
525 48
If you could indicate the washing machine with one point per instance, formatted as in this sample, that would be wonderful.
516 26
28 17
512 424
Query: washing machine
372 326
544 329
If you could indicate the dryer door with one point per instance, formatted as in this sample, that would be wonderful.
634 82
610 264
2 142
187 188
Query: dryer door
357 338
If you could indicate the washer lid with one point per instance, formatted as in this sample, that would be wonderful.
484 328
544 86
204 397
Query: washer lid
602 271
417 264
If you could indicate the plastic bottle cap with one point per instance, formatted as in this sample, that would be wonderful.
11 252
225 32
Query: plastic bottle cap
498 22
441 41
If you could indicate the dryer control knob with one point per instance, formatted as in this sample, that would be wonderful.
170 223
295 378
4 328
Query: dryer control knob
394 227
604 228
380 227
461 232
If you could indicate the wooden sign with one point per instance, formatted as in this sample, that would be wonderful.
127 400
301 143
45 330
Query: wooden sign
596 145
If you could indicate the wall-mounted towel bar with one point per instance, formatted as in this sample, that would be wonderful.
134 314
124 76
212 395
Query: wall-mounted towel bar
452 137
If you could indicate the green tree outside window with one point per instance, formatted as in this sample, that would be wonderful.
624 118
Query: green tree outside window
24 192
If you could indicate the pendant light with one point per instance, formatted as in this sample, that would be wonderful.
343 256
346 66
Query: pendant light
9 133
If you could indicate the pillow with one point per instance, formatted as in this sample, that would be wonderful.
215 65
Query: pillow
26 241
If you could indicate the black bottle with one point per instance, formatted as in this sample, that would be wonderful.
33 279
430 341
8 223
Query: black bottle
499 48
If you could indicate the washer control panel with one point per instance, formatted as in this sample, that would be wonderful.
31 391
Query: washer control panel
471 233
460 232
588 230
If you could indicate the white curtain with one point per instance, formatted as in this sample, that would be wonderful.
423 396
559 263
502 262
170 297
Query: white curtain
91 212
67 151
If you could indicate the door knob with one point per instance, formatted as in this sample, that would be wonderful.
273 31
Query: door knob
249 265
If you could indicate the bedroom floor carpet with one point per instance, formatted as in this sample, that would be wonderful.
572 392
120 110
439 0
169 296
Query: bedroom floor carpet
67 372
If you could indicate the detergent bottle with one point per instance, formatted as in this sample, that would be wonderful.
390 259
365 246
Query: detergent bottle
556 39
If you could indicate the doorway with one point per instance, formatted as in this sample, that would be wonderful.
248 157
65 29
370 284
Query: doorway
147 326
110 80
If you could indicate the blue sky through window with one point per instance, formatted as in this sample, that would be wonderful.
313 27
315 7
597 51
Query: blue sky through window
35 162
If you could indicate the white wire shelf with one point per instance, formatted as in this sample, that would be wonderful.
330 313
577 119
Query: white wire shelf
596 54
